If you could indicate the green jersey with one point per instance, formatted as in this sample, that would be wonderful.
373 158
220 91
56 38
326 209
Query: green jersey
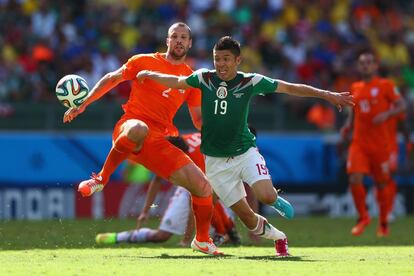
225 108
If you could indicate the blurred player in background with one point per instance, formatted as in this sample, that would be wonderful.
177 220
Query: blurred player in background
377 101
177 219
230 148
140 133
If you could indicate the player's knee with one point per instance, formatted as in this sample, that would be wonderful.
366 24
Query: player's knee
266 195
205 187
137 132
269 198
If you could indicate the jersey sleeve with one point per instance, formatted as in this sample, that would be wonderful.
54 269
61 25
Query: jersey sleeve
195 78
132 67
263 85
393 93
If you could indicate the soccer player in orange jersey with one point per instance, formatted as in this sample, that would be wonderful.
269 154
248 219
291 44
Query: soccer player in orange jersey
140 133
177 218
376 101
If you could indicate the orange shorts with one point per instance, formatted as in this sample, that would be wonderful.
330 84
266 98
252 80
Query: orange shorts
157 154
368 161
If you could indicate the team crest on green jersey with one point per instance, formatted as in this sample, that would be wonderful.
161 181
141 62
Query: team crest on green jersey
221 92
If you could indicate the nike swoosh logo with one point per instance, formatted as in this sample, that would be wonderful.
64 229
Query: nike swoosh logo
201 248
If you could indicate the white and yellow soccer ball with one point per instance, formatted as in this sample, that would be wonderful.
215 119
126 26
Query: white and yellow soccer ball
71 90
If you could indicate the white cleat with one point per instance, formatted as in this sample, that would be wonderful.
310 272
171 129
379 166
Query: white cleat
206 247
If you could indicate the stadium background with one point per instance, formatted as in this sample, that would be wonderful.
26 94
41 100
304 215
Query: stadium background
314 42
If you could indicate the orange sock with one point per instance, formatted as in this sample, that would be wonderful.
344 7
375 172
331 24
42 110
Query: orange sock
383 199
119 152
217 222
392 188
226 220
359 194
203 211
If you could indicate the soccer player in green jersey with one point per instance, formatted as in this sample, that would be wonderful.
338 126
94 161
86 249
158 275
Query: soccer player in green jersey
230 148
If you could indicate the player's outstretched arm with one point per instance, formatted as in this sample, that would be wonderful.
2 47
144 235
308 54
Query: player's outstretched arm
166 80
338 99
103 86
153 189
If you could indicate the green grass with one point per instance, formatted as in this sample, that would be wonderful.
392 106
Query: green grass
320 246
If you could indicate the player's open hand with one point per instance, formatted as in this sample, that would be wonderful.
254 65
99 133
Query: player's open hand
341 99
142 218
72 113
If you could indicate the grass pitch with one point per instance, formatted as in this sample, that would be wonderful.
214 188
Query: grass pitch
320 246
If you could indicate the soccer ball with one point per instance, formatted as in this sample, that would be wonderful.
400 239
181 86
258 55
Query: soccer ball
71 90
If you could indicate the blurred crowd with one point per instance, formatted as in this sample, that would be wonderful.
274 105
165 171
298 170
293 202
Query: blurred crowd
313 42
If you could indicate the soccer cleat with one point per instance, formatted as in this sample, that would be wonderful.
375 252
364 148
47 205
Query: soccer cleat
206 247
284 208
383 231
234 236
281 246
359 228
106 238
90 186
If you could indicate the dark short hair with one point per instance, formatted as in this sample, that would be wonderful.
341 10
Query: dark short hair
368 51
180 24
228 43
179 142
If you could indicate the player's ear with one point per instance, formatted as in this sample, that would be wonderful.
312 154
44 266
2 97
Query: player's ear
191 43
238 60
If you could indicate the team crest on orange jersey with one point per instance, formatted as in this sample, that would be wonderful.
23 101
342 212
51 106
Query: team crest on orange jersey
374 91
221 92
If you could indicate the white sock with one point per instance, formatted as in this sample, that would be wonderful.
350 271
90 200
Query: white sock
266 230
272 233
123 236
134 236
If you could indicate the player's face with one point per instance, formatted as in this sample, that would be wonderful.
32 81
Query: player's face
367 65
178 42
226 63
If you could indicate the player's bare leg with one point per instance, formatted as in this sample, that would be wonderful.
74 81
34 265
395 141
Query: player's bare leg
359 195
254 204
259 226
131 138
192 178
267 194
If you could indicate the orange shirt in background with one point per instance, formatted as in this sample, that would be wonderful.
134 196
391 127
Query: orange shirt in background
371 99
152 102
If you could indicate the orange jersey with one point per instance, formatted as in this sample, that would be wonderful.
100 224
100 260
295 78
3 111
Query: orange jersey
152 102
193 140
393 130
371 99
